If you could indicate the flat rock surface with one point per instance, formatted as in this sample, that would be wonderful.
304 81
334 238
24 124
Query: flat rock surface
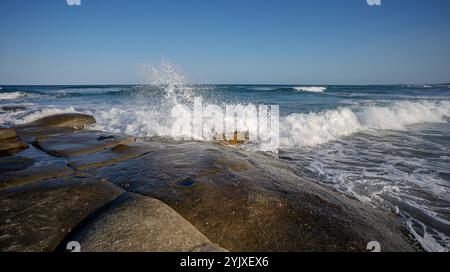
254 202
11 146
53 125
7 133
107 157
39 216
82 142
29 166
138 223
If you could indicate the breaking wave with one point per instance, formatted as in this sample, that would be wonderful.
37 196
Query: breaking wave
11 95
311 89
299 129
296 130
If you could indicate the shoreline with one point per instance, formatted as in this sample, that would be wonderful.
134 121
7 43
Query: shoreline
110 192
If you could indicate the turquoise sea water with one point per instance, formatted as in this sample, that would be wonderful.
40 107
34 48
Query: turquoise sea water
388 146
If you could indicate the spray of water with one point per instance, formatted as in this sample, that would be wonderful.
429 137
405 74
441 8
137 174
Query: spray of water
170 79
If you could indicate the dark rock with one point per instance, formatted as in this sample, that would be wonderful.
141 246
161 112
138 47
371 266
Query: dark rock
53 125
29 166
39 216
83 142
9 144
107 157
30 134
253 202
14 108
138 223
17 163
10 147
74 120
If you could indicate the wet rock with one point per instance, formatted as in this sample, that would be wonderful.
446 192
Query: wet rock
11 147
9 143
107 157
83 142
53 125
74 120
31 134
16 163
7 133
14 108
233 139
39 216
138 223
253 202
29 166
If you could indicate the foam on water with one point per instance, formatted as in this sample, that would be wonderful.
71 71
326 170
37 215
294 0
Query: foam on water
11 95
426 240
312 129
296 130
33 113
311 89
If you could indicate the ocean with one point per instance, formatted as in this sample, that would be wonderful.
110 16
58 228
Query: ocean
388 146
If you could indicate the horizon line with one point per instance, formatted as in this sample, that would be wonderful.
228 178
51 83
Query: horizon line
243 84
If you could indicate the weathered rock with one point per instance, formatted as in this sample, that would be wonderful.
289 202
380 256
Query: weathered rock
15 163
39 216
252 202
107 157
12 146
14 108
138 223
29 166
233 139
74 120
53 125
7 133
241 201
83 142
31 134
9 144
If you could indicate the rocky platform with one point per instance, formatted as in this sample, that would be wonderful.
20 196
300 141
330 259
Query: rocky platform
111 193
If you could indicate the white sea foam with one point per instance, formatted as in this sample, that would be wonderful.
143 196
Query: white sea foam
311 89
311 129
317 128
141 122
23 117
11 95
427 241
296 130
401 114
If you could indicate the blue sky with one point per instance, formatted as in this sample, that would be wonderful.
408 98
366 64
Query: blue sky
226 41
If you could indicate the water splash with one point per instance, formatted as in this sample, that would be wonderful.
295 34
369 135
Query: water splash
170 78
